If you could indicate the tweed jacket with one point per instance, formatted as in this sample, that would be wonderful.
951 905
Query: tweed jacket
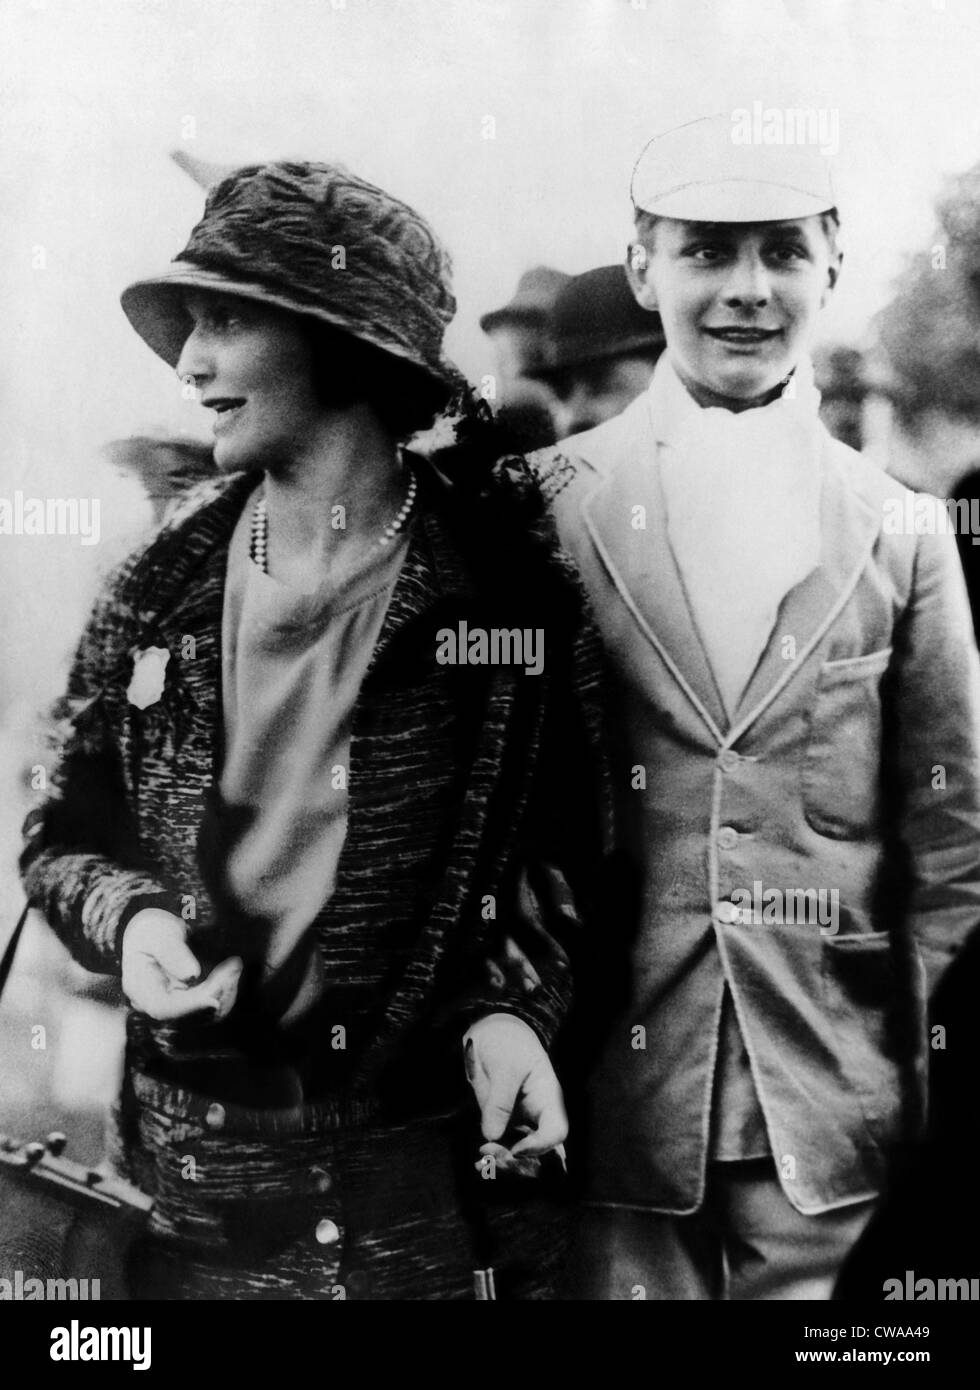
459 776
819 854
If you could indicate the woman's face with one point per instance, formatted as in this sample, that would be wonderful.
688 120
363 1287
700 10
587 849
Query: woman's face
252 365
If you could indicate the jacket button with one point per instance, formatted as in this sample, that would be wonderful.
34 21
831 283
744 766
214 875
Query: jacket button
727 912
327 1232
215 1117
727 837
728 760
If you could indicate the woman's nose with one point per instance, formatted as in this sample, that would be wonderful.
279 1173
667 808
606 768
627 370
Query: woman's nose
748 283
194 361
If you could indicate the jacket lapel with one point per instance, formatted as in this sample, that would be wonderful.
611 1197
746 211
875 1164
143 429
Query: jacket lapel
432 575
178 590
849 524
641 565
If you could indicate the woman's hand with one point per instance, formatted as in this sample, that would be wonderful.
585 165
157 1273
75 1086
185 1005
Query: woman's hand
159 970
516 1088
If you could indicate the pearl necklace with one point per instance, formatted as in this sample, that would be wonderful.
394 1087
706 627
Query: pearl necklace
260 525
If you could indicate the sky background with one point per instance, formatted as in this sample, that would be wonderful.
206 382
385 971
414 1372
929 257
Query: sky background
95 93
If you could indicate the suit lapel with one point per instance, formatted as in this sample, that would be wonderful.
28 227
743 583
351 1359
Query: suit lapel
641 565
848 527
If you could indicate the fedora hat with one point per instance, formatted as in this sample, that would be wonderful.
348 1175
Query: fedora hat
596 317
533 299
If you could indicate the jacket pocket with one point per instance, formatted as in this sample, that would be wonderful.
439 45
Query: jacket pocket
842 763
865 997
223 1187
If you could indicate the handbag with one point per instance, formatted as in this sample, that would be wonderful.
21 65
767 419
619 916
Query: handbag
66 1231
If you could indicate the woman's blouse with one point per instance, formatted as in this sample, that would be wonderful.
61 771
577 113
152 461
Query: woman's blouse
292 665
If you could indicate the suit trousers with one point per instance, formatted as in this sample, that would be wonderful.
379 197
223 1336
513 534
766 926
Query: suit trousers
747 1242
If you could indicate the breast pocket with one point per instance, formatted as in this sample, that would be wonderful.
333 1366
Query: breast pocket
842 766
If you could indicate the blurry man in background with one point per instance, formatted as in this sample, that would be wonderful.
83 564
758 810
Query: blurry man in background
520 334
604 348
841 379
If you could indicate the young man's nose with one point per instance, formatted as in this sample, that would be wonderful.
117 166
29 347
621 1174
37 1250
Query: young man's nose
748 284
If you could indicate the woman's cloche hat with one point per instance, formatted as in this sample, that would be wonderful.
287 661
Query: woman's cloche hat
315 239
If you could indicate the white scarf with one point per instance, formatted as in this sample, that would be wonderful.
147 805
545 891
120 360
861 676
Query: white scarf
743 512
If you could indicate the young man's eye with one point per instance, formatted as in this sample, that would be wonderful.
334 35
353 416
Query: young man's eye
788 251
708 252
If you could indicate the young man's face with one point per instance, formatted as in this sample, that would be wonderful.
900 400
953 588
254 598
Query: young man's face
251 363
738 300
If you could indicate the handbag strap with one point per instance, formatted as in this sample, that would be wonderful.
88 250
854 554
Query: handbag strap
10 950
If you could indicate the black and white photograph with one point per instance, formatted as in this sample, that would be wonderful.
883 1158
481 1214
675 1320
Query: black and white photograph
490 709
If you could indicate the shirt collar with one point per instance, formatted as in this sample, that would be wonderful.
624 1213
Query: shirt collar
674 409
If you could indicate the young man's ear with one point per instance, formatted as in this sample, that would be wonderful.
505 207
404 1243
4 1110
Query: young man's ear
833 275
637 265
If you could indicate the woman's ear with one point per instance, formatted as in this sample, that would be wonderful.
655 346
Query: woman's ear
637 268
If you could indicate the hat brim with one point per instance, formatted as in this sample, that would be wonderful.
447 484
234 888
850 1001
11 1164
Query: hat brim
156 308
735 200
530 315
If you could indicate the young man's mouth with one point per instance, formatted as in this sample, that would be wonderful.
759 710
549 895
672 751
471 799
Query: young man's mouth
746 336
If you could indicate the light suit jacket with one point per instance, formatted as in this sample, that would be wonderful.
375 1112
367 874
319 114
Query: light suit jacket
850 769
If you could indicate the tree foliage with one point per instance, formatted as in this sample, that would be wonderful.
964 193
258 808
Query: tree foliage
930 332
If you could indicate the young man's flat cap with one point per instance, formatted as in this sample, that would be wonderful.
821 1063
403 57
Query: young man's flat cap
715 170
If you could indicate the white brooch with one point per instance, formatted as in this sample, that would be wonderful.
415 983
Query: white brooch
149 667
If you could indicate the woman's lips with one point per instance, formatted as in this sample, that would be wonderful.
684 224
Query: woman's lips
225 410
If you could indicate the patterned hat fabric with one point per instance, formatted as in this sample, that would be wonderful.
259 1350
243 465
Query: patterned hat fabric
315 239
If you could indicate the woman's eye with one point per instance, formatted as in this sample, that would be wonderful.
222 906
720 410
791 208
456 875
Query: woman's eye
218 319
707 253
